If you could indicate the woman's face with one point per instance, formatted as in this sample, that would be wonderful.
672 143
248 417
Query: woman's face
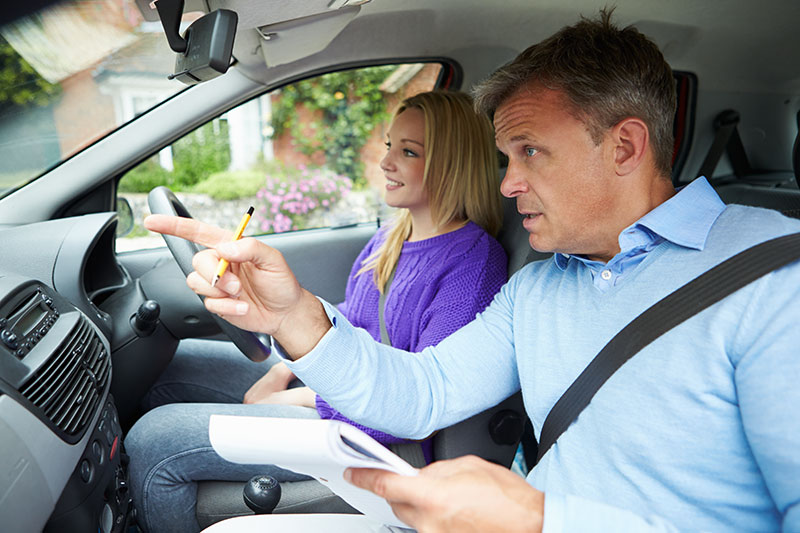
404 163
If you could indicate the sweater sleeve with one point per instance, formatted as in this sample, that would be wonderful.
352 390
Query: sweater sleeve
766 376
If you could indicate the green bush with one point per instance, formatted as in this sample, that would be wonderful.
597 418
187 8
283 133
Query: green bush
203 152
231 185
145 176
195 158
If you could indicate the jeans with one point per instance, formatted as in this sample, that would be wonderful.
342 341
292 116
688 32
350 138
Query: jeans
169 447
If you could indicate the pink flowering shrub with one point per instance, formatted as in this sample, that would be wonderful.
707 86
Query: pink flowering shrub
290 197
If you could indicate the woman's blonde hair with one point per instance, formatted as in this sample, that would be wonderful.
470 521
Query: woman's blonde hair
460 174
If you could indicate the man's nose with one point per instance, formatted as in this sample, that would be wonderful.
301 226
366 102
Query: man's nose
513 183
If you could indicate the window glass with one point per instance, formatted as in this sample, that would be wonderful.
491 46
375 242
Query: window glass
71 73
305 156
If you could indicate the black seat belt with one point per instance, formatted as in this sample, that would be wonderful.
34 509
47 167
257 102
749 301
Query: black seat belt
700 293
726 138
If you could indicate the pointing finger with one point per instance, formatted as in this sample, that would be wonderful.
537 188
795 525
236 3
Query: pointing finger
188 228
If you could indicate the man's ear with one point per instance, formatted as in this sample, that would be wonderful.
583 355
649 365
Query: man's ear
631 140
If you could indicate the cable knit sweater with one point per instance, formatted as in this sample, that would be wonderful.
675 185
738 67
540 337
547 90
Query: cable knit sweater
440 284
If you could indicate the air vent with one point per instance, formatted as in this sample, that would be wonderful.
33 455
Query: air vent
68 387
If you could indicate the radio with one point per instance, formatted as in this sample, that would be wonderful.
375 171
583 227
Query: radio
26 319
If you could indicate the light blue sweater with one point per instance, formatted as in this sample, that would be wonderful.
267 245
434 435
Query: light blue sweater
699 431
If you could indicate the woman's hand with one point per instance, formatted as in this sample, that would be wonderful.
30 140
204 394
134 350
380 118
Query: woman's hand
301 396
275 380
257 293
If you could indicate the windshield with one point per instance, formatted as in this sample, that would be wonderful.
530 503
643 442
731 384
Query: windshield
69 75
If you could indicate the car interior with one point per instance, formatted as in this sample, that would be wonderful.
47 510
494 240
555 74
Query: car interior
90 317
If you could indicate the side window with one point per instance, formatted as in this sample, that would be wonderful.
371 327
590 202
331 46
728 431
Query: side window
306 156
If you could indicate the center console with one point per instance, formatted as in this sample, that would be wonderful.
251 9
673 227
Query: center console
57 419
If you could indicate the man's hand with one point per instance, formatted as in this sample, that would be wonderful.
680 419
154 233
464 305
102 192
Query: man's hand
258 292
460 495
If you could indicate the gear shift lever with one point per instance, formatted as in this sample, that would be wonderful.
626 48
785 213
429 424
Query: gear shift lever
262 494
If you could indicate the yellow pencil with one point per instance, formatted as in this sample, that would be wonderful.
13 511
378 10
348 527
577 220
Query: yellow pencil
222 266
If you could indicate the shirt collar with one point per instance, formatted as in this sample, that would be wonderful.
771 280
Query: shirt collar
685 219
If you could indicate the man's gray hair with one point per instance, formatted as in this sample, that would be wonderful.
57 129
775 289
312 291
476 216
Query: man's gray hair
606 74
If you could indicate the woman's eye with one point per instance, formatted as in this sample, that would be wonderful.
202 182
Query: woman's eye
409 153
388 145
530 152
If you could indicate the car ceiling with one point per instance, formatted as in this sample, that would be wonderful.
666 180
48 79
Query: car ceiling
741 44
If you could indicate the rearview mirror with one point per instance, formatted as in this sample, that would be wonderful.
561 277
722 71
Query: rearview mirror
209 48
205 50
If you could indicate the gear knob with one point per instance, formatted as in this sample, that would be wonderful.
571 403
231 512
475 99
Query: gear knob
146 318
262 494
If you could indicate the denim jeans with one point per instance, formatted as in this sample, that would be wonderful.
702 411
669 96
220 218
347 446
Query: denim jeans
169 447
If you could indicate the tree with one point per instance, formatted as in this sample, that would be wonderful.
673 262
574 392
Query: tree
20 84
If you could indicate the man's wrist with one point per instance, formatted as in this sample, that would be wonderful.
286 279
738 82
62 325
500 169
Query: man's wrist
302 329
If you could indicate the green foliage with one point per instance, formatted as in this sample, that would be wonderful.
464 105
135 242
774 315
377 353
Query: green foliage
195 158
201 153
231 185
145 176
20 84
348 106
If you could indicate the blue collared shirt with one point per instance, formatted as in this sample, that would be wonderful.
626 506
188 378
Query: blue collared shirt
685 220
653 450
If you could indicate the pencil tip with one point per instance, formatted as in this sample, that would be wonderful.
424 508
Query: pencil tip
215 280
250 211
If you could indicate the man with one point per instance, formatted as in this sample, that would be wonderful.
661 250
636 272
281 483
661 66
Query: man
700 430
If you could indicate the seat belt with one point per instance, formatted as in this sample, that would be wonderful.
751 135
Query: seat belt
693 297
411 452
382 304
726 138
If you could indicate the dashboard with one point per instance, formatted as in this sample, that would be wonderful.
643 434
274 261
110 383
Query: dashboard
65 322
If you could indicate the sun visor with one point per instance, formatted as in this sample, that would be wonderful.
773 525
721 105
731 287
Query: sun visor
289 41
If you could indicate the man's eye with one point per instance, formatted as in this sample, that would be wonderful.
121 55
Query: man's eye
530 152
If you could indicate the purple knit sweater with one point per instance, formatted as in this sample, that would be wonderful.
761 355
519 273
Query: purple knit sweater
440 284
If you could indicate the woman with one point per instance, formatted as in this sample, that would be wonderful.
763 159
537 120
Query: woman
440 170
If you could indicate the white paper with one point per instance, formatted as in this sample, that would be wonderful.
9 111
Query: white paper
322 449
301 523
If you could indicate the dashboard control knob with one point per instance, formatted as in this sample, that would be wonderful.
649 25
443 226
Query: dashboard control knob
9 339
86 471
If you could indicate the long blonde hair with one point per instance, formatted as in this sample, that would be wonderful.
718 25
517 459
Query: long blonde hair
460 174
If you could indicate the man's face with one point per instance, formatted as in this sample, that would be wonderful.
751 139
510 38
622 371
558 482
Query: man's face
564 183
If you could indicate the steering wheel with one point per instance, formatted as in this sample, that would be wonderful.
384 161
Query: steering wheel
163 201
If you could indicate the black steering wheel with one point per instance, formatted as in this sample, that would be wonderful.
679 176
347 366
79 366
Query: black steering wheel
163 201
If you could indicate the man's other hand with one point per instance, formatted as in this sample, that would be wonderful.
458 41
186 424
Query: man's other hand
466 494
